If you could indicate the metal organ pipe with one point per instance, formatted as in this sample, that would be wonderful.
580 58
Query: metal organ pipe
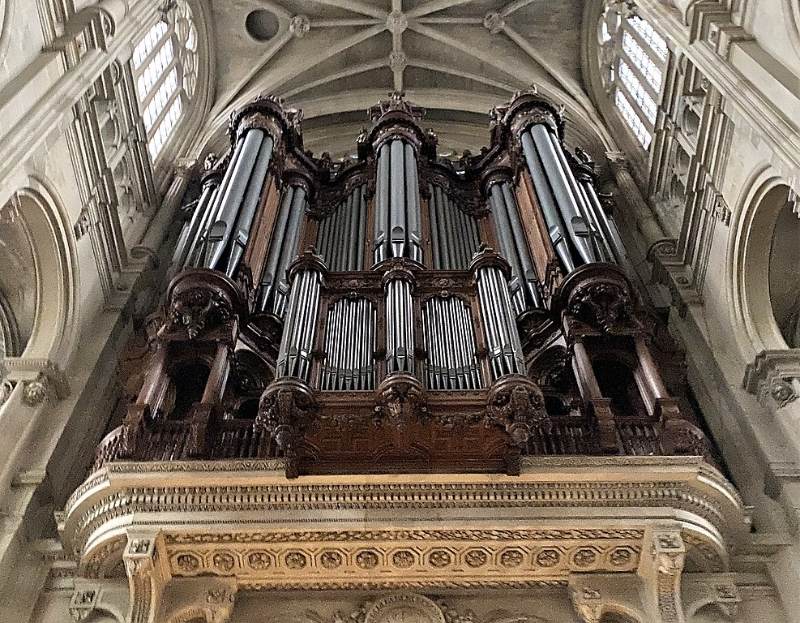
244 221
450 342
454 234
341 235
232 195
350 346
502 339
381 204
576 225
550 211
294 356
397 230
289 246
191 231
269 274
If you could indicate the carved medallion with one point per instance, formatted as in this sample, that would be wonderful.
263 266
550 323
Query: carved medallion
404 608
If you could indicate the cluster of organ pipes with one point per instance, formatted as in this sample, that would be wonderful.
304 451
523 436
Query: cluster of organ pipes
579 230
448 331
454 234
256 215
350 345
397 203
401 310
341 235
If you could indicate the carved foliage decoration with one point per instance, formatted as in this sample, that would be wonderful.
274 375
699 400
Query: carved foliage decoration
198 302
517 404
284 411
600 296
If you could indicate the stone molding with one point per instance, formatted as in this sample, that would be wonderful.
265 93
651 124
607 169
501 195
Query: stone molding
321 532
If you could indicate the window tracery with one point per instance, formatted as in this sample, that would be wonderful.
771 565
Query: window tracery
164 65
633 57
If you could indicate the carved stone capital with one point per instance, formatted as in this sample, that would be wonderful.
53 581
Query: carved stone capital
82 603
587 602
661 567
719 589
148 573
774 377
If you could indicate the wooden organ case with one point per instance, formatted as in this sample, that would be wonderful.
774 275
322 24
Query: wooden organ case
402 312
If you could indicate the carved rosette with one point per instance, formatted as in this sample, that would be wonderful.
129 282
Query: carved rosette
201 304
600 296
516 403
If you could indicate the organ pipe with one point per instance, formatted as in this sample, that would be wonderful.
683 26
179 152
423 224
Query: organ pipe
450 344
524 285
454 234
231 196
294 356
397 206
282 249
340 238
500 329
349 346
399 327
191 232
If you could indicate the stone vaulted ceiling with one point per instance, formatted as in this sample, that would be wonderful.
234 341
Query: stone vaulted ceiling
457 58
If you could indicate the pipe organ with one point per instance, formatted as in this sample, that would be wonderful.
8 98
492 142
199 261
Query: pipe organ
401 371
407 303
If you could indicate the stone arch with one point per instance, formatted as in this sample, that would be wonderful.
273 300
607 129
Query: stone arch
52 334
759 209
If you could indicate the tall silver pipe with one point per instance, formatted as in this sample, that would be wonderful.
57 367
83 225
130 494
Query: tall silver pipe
381 205
607 225
528 275
222 229
434 222
290 238
196 250
397 200
550 211
412 204
505 350
576 224
268 275
593 234
352 238
247 212
192 229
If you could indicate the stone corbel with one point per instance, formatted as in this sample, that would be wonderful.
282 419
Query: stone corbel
90 596
704 589
774 377
148 573
41 379
594 595
660 568
209 599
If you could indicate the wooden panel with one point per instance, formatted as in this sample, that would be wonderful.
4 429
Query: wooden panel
535 227
256 252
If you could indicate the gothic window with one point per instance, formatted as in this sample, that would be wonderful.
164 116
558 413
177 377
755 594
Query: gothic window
164 65
633 58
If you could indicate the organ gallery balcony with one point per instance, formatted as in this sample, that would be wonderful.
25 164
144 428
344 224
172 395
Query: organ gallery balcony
400 340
